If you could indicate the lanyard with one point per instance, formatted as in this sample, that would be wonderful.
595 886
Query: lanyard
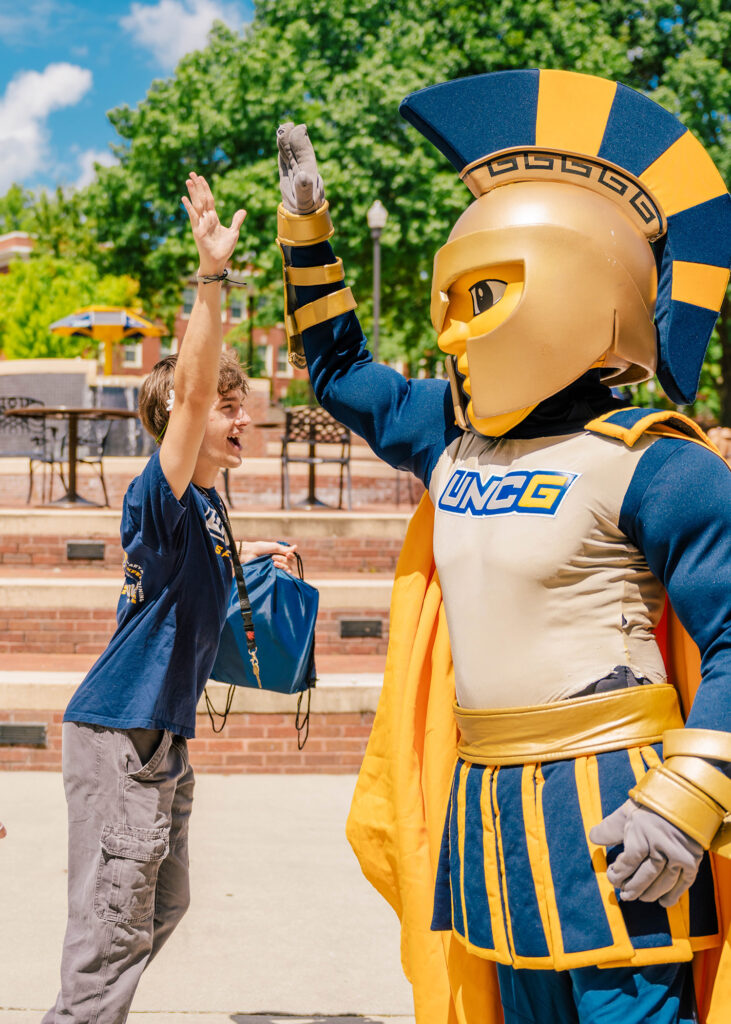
244 602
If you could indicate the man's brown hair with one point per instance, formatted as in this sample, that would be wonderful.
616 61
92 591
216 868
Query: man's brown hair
156 388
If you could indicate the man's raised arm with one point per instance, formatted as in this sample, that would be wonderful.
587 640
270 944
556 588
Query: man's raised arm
196 371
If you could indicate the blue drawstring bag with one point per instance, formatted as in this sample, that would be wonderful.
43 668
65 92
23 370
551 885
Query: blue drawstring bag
283 613
268 638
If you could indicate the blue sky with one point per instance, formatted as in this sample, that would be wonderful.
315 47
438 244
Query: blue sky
65 63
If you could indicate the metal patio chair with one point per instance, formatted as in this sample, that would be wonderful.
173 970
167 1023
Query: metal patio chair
91 445
316 428
33 438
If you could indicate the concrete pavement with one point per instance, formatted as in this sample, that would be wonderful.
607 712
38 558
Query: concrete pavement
283 928
154 1017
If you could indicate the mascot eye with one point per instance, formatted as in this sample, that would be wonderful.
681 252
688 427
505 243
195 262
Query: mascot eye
485 294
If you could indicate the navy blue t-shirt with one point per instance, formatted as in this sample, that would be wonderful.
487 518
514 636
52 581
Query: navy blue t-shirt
170 614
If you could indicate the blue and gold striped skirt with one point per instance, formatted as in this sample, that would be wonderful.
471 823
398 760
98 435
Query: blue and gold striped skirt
519 881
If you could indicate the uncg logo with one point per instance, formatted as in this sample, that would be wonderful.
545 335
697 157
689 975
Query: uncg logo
536 493
132 588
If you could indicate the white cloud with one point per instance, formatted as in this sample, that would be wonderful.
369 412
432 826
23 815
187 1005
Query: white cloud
172 28
87 159
33 16
24 108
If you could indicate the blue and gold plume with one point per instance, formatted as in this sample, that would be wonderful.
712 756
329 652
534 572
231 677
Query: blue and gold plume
558 125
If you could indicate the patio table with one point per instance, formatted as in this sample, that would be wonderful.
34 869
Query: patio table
72 415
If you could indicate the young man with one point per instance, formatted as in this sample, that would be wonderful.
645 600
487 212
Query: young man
128 781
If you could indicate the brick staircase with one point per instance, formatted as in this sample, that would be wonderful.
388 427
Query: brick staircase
60 579
255 486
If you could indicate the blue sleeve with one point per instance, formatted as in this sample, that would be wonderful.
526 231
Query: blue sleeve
408 424
677 510
151 511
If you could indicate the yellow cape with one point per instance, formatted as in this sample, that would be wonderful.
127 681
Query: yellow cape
400 801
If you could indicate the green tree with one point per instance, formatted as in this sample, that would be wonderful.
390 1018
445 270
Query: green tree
16 210
35 293
62 226
343 66
239 339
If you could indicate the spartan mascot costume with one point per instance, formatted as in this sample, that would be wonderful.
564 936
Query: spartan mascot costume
544 792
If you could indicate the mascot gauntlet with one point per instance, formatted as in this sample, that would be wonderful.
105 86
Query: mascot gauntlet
674 813
687 790
303 219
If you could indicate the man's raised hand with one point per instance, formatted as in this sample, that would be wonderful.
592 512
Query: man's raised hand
215 242
300 184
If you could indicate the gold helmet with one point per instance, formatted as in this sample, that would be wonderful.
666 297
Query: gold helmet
551 270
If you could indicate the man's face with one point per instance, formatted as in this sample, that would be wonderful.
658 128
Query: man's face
222 440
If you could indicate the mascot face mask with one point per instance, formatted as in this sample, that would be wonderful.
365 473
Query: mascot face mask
551 270
538 282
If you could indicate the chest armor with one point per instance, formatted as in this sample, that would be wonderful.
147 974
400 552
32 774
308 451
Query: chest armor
543 592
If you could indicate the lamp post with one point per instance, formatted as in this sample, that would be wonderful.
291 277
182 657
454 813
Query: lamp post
250 293
377 216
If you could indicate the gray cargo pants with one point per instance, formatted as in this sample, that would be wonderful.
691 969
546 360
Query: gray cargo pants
129 795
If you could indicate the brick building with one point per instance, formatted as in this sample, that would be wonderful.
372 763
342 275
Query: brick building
269 344
15 245
138 356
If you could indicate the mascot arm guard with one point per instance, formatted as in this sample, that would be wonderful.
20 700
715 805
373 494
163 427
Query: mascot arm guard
295 231
407 423
688 790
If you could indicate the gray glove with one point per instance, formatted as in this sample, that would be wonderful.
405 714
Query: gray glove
659 861
301 185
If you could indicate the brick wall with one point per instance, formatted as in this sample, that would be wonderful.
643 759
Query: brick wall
55 630
329 641
248 488
27 549
87 631
250 743
319 554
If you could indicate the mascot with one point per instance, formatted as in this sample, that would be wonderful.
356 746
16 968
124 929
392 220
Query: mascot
543 798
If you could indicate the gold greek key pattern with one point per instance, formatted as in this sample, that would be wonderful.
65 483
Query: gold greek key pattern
547 165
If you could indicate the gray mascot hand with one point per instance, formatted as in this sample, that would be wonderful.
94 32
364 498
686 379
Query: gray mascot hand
301 185
659 861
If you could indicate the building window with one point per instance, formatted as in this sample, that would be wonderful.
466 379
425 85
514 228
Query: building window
282 361
236 307
188 300
132 356
264 359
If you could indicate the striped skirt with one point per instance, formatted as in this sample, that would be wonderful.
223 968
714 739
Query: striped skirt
519 881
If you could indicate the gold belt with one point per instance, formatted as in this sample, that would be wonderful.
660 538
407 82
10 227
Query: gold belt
576 727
